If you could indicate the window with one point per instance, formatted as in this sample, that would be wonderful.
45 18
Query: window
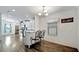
52 28
7 28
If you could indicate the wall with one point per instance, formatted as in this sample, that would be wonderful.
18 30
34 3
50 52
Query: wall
78 26
36 23
0 25
67 32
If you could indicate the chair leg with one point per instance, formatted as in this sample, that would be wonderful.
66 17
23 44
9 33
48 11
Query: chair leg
28 46
40 41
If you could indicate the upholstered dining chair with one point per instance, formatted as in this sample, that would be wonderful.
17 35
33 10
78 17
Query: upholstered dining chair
36 38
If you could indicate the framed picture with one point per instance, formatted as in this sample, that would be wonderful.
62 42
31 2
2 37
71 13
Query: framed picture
67 20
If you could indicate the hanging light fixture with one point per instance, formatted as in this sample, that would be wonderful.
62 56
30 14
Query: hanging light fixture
44 11
13 10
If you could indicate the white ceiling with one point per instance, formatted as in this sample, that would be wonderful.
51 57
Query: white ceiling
23 11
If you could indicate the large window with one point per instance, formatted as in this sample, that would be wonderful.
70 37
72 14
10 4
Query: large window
7 28
52 28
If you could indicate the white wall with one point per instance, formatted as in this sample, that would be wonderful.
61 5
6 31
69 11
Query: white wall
0 25
78 26
67 32
36 23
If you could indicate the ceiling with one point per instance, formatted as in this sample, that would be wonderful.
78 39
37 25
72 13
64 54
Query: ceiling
23 11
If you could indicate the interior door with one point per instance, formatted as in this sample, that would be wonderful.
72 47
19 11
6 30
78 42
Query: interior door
17 29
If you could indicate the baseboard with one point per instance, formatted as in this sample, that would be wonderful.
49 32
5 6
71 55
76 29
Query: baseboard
63 45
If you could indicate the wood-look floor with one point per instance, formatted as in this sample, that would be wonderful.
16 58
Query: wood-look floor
13 43
46 46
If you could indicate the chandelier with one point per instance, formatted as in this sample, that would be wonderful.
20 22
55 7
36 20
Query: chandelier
44 11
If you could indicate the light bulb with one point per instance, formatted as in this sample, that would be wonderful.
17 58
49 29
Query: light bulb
45 11
46 14
39 14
